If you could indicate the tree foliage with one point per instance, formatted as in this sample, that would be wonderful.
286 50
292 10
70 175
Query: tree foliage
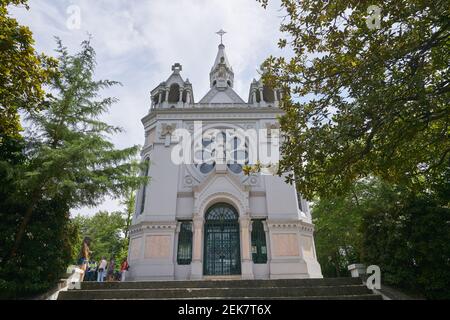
107 232
22 71
65 161
338 235
410 241
406 234
363 100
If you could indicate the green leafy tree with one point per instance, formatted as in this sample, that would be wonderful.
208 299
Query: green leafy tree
406 234
338 234
409 238
47 247
109 232
106 231
22 71
70 155
68 162
364 99
129 203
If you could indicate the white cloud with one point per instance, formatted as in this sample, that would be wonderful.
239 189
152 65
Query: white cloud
137 41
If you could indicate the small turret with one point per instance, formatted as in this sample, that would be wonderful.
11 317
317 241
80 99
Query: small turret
174 92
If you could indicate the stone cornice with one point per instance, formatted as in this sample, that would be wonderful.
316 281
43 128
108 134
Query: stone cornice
283 224
153 226
208 113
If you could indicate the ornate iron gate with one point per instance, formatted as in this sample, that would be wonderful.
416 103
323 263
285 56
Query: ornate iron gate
222 241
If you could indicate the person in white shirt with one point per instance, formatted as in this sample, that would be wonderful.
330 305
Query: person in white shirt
102 270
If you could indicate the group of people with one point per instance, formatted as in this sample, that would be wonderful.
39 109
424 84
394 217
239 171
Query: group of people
101 271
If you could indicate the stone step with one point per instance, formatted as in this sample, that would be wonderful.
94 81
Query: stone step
190 293
347 297
221 284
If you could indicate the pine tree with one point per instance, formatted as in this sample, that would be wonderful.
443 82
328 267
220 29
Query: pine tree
70 155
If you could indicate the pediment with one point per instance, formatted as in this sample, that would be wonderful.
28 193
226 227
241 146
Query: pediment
222 181
223 185
219 96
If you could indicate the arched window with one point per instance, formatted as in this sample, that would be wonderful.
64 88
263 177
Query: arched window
184 256
174 93
259 246
206 156
156 99
258 96
144 187
268 94
217 147
239 156
222 212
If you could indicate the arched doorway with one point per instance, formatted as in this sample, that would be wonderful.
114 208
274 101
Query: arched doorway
222 241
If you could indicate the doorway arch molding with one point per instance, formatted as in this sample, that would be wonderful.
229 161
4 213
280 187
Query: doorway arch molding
241 205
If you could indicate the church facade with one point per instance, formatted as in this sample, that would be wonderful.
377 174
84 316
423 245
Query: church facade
205 218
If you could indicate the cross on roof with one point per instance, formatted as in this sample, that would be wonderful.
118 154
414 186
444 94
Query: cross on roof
177 67
221 33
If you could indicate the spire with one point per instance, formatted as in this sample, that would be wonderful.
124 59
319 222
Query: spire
222 75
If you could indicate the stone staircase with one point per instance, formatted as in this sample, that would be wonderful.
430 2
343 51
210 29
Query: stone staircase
294 289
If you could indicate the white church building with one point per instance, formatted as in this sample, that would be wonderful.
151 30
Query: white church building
206 219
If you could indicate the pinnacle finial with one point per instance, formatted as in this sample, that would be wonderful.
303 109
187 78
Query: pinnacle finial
221 33
177 68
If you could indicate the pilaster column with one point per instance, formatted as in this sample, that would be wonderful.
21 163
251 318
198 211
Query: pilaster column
247 263
254 97
276 102
197 261
166 102
261 94
180 101
188 97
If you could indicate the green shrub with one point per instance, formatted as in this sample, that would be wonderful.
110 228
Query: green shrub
411 244
44 254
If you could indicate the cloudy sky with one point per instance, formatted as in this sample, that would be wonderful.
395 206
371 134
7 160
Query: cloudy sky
137 42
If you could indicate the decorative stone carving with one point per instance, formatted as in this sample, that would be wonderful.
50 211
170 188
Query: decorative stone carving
253 181
167 129
188 181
